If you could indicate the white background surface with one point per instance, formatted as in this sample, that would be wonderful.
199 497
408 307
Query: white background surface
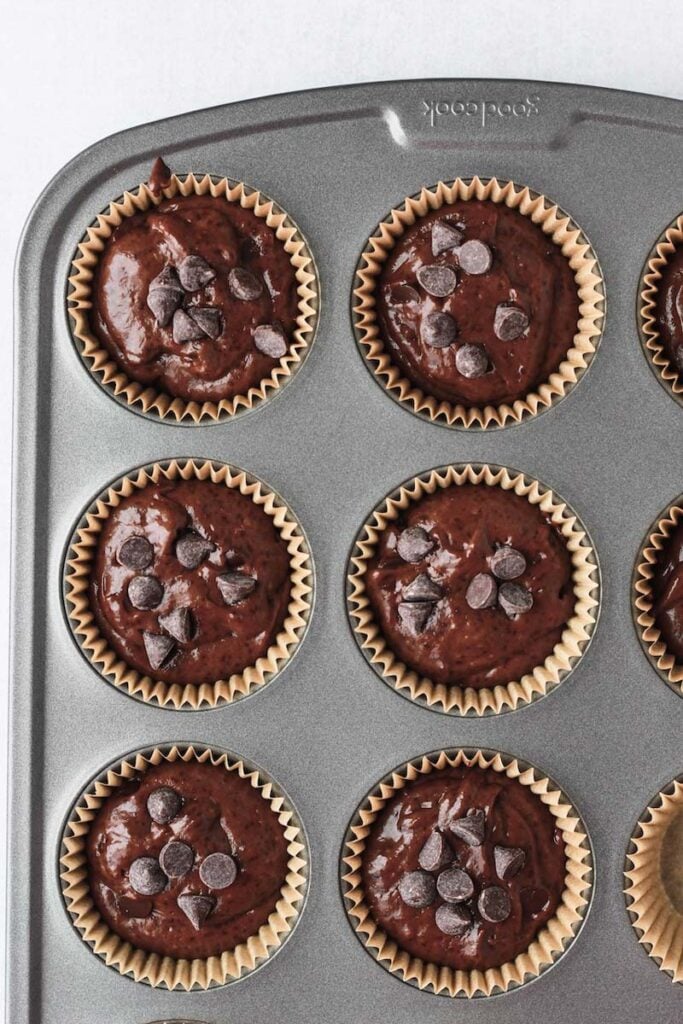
71 73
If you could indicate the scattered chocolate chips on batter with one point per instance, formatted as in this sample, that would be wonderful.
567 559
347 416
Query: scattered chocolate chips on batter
471 828
194 273
176 859
472 361
483 591
423 588
509 322
163 804
445 237
437 280
438 330
417 889
415 615
514 599
136 553
244 285
507 563
191 549
146 877
235 586
159 648
509 860
196 908
271 340
414 544
218 871
179 624
145 592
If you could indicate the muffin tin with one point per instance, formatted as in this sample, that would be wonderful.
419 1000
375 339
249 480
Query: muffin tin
333 445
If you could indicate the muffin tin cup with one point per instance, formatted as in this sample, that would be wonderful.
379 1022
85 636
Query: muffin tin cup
652 873
668 242
78 564
550 943
649 634
146 399
564 233
151 968
458 700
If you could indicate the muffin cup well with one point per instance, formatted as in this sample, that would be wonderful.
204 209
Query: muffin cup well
552 940
668 242
151 968
190 696
146 399
564 233
654 879
457 700
649 634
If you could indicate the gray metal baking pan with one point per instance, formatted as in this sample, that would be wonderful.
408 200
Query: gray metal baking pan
333 444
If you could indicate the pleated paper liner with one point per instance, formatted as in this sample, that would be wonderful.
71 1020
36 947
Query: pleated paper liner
654 879
146 399
564 233
190 696
550 943
151 968
667 374
457 700
649 634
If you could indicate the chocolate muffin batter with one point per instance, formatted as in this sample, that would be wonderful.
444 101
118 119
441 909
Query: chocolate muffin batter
463 868
181 290
669 315
668 593
190 581
187 860
476 304
471 586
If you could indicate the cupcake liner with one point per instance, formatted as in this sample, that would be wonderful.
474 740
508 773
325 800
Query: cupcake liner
564 233
146 399
654 880
190 696
151 968
550 943
649 634
667 243
457 700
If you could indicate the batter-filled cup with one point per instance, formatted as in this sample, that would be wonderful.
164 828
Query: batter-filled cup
660 312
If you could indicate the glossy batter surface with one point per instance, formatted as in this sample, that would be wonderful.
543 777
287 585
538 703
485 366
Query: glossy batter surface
668 593
670 310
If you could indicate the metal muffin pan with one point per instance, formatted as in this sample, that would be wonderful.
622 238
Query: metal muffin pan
333 446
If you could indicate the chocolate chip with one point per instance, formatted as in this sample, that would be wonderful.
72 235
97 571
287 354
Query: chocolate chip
475 257
435 854
179 624
494 904
131 907
218 871
163 302
163 804
472 361
514 599
482 591
159 177
417 889
415 615
145 592
235 586
185 329
136 553
509 860
208 319
423 588
444 237
454 885
158 648
437 280
196 908
194 272
452 920
404 293
438 330
414 544
507 563
176 859
471 828
271 340
509 322
146 877
244 285
191 549
168 278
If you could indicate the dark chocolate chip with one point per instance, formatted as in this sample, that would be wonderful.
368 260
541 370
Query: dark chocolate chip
475 257
136 553
191 549
417 889
444 237
482 591
163 804
437 280
244 285
438 330
494 904
415 615
423 588
131 907
435 854
271 340
194 272
472 361
208 319
509 322
176 859
168 278
507 563
414 544
179 624
514 599
454 885
235 586
185 329
452 920
145 592
509 860
163 302
404 293
196 908
159 648
146 876
159 178
218 871
471 828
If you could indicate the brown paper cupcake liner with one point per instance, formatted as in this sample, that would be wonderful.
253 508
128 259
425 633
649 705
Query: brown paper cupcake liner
564 233
665 246
551 942
458 700
151 968
190 696
649 634
654 880
146 399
